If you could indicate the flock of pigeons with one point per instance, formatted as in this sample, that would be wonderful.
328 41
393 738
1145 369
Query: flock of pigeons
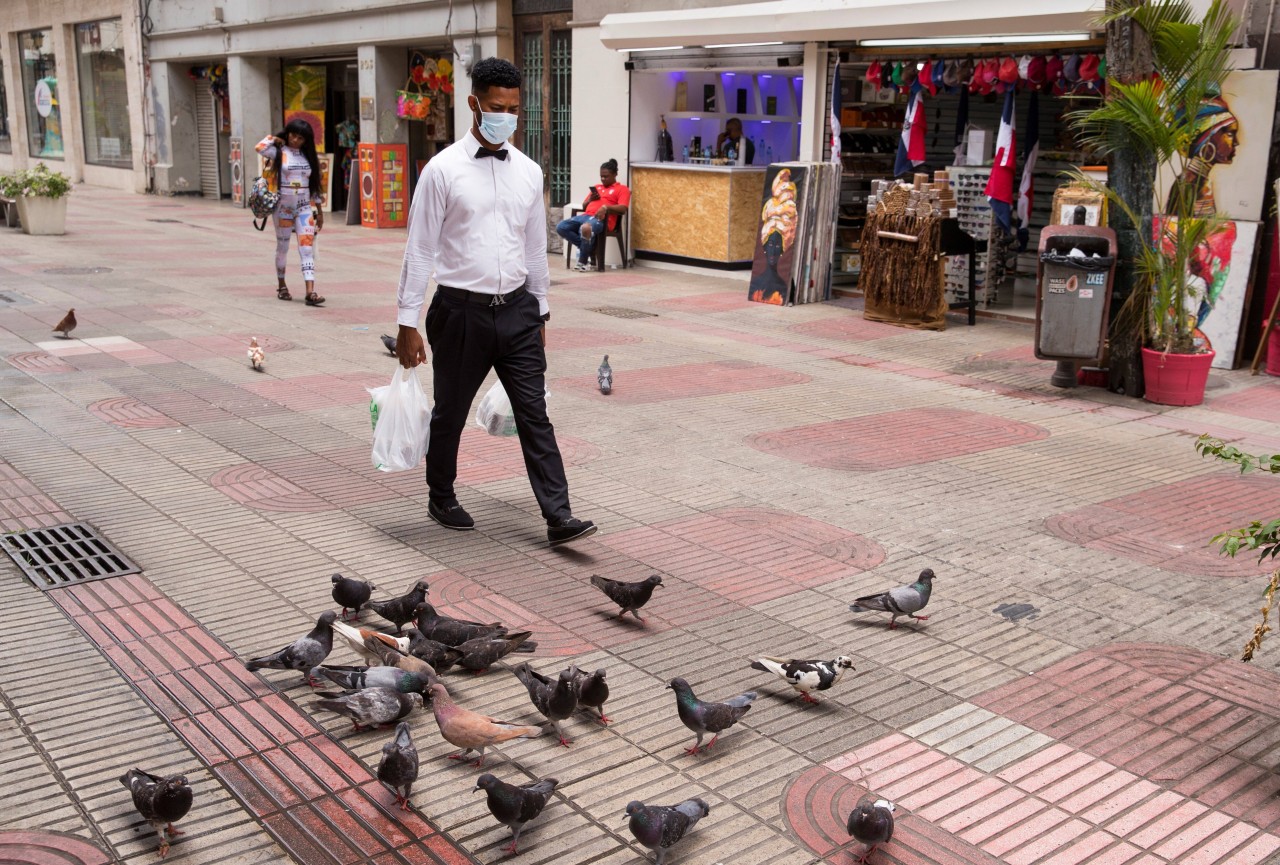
402 673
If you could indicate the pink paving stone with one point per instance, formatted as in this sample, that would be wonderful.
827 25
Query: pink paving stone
895 439
1084 850
886 760
1005 817
1127 797
1034 847
962 798
1083 779
1177 844
1139 816
879 746
1258 849
1035 762
660 384
1168 825
982 809
566 338
38 362
847 327
719 301
937 783
1261 402
1218 848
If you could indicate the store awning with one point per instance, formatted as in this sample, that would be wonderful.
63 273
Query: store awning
840 20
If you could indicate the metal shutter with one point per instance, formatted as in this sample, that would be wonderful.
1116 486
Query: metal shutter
207 133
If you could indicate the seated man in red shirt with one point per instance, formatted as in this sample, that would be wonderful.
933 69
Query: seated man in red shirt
606 200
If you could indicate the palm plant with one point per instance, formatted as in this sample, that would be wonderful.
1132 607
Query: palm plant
1159 115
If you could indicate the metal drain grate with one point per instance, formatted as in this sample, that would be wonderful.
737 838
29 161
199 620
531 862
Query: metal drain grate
65 555
77 271
623 312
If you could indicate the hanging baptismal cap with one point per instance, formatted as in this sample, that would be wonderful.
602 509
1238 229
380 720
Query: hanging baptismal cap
939 75
1024 67
1036 72
1071 68
873 74
1008 71
951 75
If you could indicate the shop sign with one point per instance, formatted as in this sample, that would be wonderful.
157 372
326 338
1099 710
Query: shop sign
43 98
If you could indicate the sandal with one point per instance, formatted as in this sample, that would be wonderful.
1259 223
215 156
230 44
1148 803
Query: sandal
282 293
314 299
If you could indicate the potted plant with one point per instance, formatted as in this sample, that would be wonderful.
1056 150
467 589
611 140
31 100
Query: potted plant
1168 115
41 196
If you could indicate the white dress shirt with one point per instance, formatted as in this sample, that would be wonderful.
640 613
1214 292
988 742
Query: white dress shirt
475 224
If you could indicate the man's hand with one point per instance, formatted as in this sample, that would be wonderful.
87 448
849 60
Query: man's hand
409 347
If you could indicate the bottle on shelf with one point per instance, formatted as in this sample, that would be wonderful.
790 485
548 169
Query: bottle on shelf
684 153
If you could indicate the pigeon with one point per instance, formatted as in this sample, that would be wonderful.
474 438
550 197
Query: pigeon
161 801
604 377
398 768
480 654
371 706
450 631
472 731
303 653
390 343
67 324
554 698
902 601
871 822
357 678
400 610
659 827
390 656
256 354
514 806
350 593
805 676
592 691
356 637
435 653
629 596
711 718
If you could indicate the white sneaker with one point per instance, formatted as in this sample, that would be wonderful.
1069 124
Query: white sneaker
582 268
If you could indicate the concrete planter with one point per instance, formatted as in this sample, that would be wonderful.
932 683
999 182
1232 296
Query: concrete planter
41 215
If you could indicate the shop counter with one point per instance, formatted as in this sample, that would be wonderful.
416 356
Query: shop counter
692 211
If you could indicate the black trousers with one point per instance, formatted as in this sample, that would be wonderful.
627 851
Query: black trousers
468 339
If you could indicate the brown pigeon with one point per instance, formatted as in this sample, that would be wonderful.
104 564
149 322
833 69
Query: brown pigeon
256 354
472 731
67 324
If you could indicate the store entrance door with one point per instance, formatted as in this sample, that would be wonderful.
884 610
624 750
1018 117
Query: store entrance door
207 136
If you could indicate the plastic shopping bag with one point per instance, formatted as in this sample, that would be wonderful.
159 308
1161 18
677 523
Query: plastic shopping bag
494 415
401 415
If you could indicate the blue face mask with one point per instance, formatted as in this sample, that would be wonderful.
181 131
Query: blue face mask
497 128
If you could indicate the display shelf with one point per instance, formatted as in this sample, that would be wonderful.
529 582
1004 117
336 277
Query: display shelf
974 214
721 115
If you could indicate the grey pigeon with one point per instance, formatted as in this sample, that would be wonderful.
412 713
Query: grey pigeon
514 806
659 827
629 596
451 631
371 706
805 676
398 768
401 610
435 653
358 678
390 343
871 822
704 718
350 593
592 691
303 653
554 698
902 601
604 377
480 654
161 801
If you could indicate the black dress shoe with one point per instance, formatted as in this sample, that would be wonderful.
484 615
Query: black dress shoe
569 529
451 516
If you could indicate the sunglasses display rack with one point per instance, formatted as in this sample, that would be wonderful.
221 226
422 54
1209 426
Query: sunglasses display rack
977 220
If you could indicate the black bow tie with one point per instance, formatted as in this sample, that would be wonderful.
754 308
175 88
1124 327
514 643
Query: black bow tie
496 154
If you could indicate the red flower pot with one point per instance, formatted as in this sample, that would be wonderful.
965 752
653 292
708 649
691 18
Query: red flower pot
1175 379
1273 351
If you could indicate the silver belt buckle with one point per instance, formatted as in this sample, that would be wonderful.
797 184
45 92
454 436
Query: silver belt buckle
498 300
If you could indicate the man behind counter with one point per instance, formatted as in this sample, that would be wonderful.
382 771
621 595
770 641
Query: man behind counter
732 138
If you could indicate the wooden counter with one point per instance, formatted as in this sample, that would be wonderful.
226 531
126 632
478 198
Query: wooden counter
703 212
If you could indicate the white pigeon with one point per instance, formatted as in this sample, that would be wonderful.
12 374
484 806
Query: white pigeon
355 638
805 676
256 354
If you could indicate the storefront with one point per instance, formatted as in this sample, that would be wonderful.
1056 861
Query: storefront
71 91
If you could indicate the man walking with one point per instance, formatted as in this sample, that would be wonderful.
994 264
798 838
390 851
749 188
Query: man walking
478 225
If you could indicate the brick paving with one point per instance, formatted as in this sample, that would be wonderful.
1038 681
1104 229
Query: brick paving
1071 699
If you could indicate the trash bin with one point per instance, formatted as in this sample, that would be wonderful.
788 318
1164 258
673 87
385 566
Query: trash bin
1073 295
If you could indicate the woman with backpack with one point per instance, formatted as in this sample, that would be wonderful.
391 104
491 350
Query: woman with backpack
294 172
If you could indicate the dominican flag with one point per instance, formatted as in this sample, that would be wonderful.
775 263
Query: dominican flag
1026 190
999 189
911 149
835 117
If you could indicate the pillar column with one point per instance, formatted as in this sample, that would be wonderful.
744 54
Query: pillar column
813 102
249 81
381 73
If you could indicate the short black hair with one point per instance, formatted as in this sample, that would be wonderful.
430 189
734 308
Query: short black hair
494 72
732 120
611 165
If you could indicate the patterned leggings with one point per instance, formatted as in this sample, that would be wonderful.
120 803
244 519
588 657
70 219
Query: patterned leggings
294 215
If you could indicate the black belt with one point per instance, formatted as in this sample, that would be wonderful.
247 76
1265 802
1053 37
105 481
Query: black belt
479 296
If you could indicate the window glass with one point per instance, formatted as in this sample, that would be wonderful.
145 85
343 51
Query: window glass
40 94
104 94
6 145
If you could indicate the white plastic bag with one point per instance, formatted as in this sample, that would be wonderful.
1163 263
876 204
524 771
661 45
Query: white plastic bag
494 415
401 415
